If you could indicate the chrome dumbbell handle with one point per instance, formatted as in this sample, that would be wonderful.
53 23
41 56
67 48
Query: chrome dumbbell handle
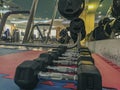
56 76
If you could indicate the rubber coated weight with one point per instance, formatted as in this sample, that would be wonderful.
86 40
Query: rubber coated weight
71 8
53 54
58 50
86 58
63 48
76 26
89 78
46 58
26 75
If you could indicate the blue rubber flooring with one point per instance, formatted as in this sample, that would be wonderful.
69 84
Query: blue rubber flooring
5 51
8 84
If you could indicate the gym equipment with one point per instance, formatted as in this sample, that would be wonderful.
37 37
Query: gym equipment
53 58
63 48
56 76
77 26
30 20
60 49
89 78
26 74
116 8
29 72
38 29
116 25
5 16
64 37
62 69
65 62
63 33
71 8
76 61
102 31
85 58
69 58
53 17
53 54
46 58
83 49
70 54
85 53
64 40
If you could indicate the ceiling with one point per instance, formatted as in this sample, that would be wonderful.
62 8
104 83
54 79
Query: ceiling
45 7
103 8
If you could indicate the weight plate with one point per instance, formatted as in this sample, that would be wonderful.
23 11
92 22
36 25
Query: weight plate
71 8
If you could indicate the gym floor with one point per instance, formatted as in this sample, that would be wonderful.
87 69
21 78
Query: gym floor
11 58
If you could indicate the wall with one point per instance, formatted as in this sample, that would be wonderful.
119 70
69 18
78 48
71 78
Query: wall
107 48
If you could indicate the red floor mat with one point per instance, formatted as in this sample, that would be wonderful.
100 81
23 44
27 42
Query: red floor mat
8 63
110 76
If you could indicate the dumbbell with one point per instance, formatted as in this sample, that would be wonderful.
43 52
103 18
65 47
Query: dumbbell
29 72
49 59
56 76
62 69
84 51
62 48
89 78
85 59
81 51
70 54
54 54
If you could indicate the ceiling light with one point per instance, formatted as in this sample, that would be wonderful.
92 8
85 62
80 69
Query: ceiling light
5 6
59 17
46 18
90 7
99 16
100 5
99 12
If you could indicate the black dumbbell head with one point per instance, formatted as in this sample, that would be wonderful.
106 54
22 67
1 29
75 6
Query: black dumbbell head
46 57
53 54
86 58
89 78
26 75
63 48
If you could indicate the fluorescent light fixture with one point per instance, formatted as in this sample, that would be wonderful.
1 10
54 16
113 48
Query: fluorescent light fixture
100 5
66 22
90 7
99 16
4 11
99 12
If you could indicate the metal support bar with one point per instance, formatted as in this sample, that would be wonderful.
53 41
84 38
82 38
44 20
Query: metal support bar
53 17
44 45
36 25
109 11
40 33
30 21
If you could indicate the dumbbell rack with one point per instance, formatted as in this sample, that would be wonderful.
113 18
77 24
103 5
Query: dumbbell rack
46 67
